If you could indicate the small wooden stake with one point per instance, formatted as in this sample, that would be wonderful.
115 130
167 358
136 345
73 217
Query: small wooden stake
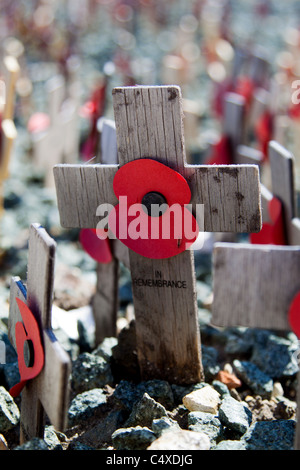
49 391
149 124
8 130
12 71
60 142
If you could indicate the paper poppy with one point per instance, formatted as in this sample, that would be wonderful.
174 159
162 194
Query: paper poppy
28 333
272 233
143 186
98 248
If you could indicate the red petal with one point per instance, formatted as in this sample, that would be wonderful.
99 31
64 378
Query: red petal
139 177
97 248
294 315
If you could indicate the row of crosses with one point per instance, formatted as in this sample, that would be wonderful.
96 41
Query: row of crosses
149 126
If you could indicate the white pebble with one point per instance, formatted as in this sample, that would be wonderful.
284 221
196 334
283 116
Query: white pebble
206 399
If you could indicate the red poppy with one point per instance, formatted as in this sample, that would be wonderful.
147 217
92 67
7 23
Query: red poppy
98 248
271 233
221 153
263 131
141 186
294 315
28 331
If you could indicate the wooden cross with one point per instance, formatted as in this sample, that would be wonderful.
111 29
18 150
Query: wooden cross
236 264
60 141
49 391
254 285
149 124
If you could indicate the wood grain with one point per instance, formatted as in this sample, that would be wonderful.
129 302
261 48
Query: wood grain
40 273
254 285
106 300
230 195
80 190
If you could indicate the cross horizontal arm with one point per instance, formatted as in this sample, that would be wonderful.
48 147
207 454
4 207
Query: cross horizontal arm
254 285
230 194
80 190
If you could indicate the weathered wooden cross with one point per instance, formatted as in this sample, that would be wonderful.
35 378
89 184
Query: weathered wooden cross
48 392
149 125
255 285
58 143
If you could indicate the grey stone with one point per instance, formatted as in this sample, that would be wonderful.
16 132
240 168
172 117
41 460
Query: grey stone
274 355
126 394
104 349
259 382
9 412
159 390
10 353
270 435
101 434
221 388
34 444
207 423
239 340
51 438
181 440
10 374
90 371
230 445
210 362
85 404
235 415
77 445
164 424
133 438
144 411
